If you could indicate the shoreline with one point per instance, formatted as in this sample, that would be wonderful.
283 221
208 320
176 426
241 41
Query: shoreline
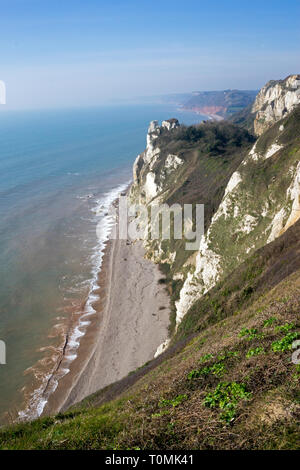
76 324
212 117
59 396
130 323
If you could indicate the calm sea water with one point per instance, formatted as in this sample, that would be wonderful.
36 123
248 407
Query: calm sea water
56 168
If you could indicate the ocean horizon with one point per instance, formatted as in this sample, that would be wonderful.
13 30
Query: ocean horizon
57 168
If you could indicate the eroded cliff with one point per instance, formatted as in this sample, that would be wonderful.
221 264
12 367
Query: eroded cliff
250 189
275 101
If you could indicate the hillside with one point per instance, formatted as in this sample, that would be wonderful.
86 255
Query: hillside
225 379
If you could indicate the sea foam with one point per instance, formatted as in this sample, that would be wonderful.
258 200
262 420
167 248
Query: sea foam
104 221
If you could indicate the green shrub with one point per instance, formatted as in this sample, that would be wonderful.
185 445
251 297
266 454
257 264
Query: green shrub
217 369
285 343
255 352
173 402
250 334
285 328
227 354
269 322
226 397
206 357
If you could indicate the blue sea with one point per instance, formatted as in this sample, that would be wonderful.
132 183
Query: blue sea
56 169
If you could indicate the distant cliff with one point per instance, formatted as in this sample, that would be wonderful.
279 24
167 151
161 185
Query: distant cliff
220 103
275 101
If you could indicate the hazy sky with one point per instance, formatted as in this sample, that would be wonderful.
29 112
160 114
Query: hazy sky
84 52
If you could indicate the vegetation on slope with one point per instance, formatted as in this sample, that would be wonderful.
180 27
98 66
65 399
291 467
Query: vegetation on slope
230 385
262 271
244 118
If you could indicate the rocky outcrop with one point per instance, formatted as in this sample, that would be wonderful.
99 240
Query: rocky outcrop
275 100
170 124
146 183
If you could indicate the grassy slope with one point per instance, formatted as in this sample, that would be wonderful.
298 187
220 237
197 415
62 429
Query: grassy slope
237 354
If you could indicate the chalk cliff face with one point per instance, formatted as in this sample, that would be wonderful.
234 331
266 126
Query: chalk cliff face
146 183
261 201
275 100
155 172
258 200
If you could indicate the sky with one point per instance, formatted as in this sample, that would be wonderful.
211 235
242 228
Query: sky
63 53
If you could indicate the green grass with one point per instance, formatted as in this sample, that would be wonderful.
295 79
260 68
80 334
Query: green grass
173 402
217 369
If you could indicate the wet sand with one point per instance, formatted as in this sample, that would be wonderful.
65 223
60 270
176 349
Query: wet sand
131 322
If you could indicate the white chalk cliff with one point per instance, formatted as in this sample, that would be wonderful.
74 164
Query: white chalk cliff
274 101
247 214
146 183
